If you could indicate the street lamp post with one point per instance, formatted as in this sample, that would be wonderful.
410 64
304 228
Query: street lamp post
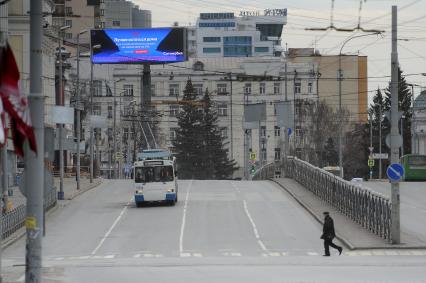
91 109
60 101
340 78
77 109
114 134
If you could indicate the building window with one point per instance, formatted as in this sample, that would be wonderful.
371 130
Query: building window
68 35
262 88
102 12
299 135
110 111
261 49
128 90
264 156
102 25
115 23
97 88
310 87
173 89
277 88
198 88
222 110
68 23
68 11
277 155
224 133
152 89
297 86
173 134
97 109
247 89
211 39
125 134
221 89
263 131
277 131
211 50
174 110
198 66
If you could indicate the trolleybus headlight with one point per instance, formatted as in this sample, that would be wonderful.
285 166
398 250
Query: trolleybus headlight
139 191
170 190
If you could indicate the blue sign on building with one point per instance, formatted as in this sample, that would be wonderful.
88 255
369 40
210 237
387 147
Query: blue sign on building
395 172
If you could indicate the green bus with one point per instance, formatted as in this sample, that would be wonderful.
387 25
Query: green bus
414 167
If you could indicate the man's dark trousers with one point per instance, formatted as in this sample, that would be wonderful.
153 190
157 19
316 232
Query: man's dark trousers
327 243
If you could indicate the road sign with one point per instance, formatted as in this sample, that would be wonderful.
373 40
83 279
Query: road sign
370 162
289 131
380 156
119 155
252 155
395 172
371 149
398 141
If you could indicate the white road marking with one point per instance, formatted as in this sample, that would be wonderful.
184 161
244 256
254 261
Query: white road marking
111 228
197 255
418 252
59 258
137 256
109 256
313 253
185 254
391 253
274 254
182 228
148 255
378 252
235 254
21 279
283 253
256 232
84 257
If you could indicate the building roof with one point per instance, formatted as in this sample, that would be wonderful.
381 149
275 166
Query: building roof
420 102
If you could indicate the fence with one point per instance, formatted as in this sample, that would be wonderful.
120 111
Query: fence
15 219
369 209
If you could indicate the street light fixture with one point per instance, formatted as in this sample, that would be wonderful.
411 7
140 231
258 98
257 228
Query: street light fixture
340 98
77 110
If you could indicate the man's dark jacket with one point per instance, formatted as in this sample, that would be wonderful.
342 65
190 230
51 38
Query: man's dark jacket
328 228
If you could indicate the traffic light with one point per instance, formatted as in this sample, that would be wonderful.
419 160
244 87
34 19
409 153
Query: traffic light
253 169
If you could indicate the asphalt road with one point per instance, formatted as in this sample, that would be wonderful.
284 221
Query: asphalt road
219 231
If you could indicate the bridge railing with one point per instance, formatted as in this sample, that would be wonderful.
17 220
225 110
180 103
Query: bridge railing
369 209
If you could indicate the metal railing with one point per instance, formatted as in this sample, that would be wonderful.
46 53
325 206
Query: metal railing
15 219
369 209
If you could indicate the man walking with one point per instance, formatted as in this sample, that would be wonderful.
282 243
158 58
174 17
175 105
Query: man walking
328 235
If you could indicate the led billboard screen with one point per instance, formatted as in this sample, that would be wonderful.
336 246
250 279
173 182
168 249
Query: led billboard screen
130 46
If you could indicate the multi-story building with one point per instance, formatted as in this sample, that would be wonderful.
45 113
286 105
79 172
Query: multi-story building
225 35
123 14
232 83
354 92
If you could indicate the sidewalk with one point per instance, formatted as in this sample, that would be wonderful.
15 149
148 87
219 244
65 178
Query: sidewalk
70 192
70 189
347 231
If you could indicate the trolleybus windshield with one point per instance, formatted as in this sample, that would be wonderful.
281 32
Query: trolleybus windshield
153 174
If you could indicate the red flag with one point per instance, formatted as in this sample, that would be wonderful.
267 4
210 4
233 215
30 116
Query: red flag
14 103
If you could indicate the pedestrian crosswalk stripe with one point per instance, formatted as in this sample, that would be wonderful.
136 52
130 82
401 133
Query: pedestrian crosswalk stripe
137 256
109 256
378 253
274 254
185 255
312 253
391 252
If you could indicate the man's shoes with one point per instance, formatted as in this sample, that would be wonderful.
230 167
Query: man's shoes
325 255
340 250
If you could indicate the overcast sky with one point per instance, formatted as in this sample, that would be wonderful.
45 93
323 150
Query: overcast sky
375 14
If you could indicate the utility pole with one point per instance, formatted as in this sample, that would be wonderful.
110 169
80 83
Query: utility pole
77 111
60 101
286 137
395 215
91 114
231 122
371 143
34 163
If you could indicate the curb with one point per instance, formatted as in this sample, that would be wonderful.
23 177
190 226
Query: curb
88 188
338 236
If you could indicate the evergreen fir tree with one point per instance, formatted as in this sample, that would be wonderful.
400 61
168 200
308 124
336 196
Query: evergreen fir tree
404 106
188 143
216 163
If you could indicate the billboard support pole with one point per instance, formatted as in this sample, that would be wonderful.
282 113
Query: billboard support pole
146 99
